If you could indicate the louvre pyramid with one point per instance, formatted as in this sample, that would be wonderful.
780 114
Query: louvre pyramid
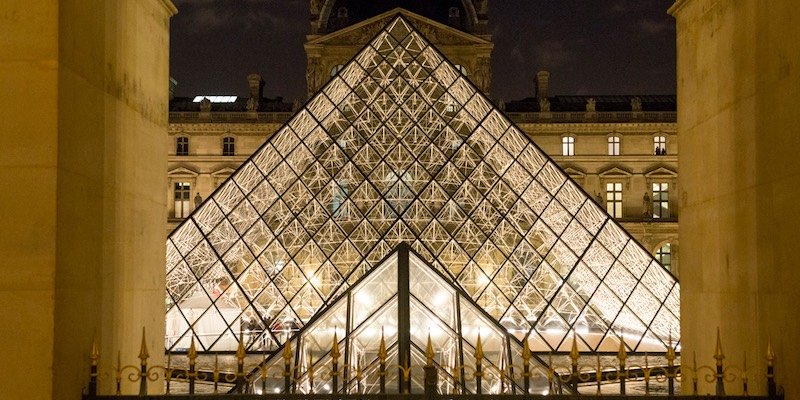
399 147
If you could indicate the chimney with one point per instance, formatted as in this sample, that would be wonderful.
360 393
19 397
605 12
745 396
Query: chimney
542 84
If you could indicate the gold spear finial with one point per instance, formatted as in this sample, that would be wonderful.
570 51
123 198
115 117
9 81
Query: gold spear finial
192 352
95 352
574 354
240 353
670 350
143 354
287 352
479 348
622 354
718 355
382 355
770 353
335 347
526 351
429 351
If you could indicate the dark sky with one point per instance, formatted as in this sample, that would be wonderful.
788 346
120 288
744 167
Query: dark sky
589 46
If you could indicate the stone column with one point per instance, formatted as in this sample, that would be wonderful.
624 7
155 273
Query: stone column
84 206
738 127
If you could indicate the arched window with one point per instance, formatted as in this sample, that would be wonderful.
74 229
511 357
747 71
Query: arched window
660 145
461 69
335 70
341 13
664 255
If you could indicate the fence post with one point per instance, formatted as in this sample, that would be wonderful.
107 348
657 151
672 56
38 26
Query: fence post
168 371
143 356
382 355
192 375
478 365
771 388
359 376
287 365
311 374
431 377
93 370
718 356
670 368
574 355
240 355
335 366
622 355
526 365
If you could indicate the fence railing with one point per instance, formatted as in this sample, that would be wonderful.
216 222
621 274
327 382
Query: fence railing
582 374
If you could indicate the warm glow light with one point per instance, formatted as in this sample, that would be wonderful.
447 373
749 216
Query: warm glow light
215 99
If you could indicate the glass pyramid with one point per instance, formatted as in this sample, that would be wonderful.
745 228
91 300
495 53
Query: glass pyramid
399 147
403 294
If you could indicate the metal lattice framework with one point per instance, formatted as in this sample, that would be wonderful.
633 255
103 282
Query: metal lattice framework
399 147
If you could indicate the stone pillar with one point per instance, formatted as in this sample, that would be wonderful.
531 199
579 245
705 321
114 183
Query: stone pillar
84 208
738 125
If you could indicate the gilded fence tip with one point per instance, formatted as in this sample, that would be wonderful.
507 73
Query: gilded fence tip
622 354
670 350
382 355
95 352
718 355
240 353
479 348
574 354
770 352
192 352
526 350
335 347
429 351
143 354
287 352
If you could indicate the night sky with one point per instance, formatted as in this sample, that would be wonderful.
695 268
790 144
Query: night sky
590 47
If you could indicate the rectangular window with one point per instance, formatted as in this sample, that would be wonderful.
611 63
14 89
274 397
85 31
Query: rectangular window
613 146
568 146
228 146
182 204
661 200
614 199
182 146
660 145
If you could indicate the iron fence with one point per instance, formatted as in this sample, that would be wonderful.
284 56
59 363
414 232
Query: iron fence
583 374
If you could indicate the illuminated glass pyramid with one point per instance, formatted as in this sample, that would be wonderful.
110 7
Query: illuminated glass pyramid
399 147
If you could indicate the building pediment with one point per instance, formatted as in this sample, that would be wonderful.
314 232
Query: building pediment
225 172
181 172
362 32
615 172
661 173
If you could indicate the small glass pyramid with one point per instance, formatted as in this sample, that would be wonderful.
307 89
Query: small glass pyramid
404 294
399 147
